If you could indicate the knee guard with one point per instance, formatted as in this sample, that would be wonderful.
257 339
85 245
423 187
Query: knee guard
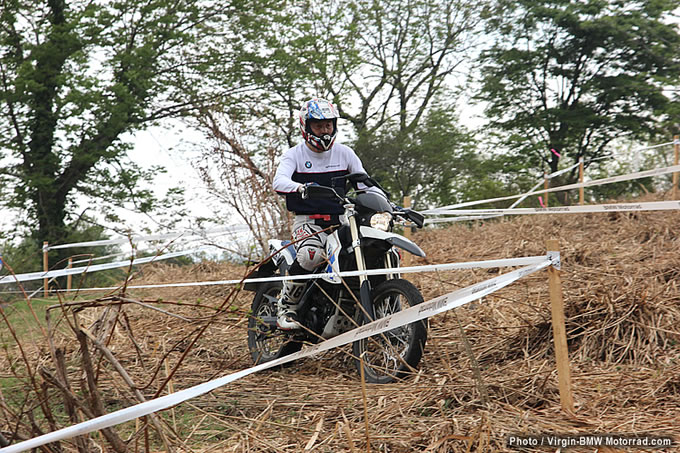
310 250
310 257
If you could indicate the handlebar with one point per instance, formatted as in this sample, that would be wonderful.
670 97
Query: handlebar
410 214
318 192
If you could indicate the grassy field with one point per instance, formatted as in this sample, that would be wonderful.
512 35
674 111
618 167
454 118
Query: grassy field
26 317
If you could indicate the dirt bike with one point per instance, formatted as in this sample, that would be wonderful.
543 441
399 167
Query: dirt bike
331 305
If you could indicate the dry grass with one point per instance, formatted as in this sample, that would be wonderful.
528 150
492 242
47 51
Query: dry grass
620 274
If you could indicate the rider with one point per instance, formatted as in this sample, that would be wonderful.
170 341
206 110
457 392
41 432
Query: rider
317 159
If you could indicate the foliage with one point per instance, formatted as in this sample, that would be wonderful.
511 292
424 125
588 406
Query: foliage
395 57
438 161
399 60
575 76
382 63
76 77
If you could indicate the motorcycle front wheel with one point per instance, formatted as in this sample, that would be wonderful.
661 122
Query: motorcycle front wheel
265 341
393 354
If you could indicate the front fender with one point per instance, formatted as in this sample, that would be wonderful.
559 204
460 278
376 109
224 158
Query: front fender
393 239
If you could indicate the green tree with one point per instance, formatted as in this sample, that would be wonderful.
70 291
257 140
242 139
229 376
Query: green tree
382 63
75 77
576 76
438 160
396 57
393 74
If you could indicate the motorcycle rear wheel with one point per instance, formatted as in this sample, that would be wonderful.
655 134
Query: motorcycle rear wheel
265 341
393 354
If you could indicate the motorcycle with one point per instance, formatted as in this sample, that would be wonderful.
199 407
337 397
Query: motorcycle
331 305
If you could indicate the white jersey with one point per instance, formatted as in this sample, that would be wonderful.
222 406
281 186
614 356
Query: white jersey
300 165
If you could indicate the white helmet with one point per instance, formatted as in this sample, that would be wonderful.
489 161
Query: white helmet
318 109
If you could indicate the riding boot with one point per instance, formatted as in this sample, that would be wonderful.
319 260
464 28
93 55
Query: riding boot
287 305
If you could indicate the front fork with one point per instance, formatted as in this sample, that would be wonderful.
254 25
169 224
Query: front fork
365 285
392 259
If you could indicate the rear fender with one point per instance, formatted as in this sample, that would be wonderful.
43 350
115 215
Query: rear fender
266 269
280 261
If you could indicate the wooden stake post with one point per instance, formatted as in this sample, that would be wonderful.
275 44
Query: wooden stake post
45 268
407 231
546 186
69 278
580 180
559 331
676 146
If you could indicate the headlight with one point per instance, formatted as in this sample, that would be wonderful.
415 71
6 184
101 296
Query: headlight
381 221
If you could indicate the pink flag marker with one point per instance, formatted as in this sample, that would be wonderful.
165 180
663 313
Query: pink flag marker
555 152
540 200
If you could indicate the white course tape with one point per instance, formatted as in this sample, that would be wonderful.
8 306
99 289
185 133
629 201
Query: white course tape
560 172
461 218
125 255
522 197
656 146
103 257
154 237
596 182
139 251
550 176
95 268
524 261
619 207
412 314
645 206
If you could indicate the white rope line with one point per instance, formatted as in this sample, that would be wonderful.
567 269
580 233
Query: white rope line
401 270
95 268
620 207
597 182
147 250
478 214
655 146
153 237
550 176
522 196
461 218
103 257
464 214
416 313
